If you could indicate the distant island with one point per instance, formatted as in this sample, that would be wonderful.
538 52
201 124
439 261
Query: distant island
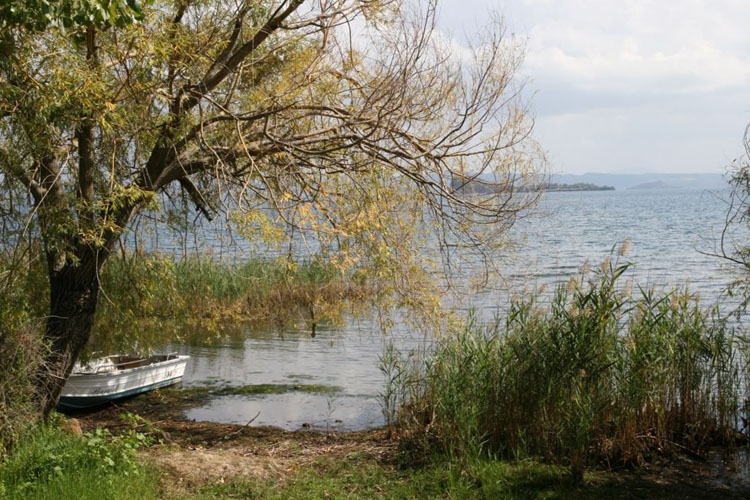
578 186
644 181
480 185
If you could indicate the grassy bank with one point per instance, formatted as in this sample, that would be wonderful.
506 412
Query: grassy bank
200 460
359 476
362 477
265 463
599 375
50 463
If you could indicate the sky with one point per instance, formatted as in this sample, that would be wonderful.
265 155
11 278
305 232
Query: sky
629 86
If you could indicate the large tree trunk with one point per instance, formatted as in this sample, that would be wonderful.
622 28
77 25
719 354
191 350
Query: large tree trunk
74 291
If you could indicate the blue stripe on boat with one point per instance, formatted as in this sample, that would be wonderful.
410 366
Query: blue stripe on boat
80 402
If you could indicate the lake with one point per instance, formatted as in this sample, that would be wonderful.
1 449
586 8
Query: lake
668 229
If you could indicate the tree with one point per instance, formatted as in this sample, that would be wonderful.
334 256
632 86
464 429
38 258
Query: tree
349 119
733 247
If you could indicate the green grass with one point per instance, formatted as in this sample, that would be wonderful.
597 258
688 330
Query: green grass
361 477
51 464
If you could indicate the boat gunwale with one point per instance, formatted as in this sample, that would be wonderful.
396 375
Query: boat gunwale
178 359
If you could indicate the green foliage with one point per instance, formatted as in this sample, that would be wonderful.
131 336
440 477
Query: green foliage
50 463
596 375
38 15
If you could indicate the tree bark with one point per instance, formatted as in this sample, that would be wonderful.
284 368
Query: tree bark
74 292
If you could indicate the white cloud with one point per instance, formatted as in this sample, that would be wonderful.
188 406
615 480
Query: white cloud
631 85
638 45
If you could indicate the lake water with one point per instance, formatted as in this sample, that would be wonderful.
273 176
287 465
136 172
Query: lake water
668 230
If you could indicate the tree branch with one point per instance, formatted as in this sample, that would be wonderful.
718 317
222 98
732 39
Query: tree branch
85 134
196 196
23 176
220 71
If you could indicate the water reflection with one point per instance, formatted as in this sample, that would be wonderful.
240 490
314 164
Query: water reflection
345 357
294 411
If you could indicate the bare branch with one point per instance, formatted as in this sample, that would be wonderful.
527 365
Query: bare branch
220 70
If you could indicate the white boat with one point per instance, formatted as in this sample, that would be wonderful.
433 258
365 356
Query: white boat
102 380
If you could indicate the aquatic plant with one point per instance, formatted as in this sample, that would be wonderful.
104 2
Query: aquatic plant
157 298
594 375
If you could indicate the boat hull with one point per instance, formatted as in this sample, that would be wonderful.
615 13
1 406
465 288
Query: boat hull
86 390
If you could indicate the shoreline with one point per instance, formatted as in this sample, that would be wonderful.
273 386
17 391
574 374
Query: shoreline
201 456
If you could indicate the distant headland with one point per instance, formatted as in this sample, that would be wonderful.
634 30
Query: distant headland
578 186
480 185
645 181
600 182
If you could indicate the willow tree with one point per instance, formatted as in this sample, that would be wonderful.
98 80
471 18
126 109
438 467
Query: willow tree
354 119
733 246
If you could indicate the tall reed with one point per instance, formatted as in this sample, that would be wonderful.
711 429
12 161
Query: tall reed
595 375
150 299
153 298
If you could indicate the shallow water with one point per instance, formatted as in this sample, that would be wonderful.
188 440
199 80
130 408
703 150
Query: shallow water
668 230
343 358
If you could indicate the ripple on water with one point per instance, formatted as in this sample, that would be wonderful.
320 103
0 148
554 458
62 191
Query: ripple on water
666 229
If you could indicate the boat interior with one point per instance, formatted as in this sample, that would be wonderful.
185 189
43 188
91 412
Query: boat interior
127 362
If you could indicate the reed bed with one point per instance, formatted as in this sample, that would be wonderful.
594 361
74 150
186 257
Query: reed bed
152 298
595 375
162 283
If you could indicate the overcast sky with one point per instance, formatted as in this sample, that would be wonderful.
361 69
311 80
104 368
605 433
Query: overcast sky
630 85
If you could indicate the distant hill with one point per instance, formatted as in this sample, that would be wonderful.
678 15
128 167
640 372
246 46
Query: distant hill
653 185
627 181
